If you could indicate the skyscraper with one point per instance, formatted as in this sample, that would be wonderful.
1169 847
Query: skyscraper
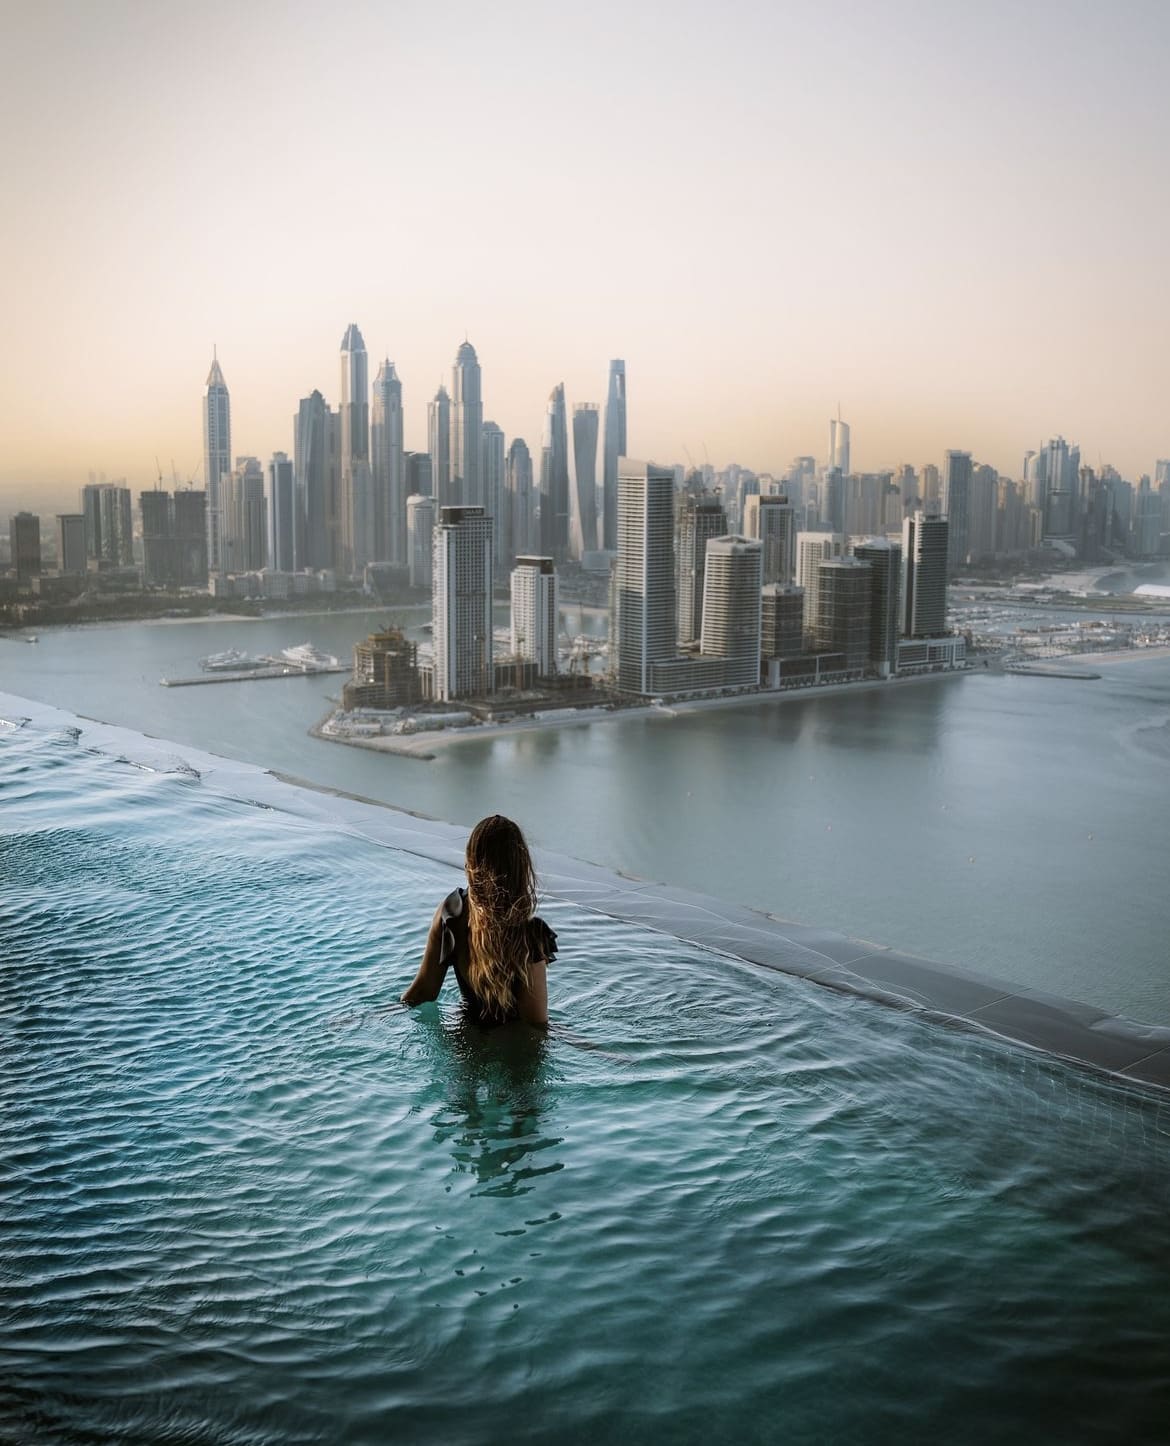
420 526
282 533
461 604
885 563
159 563
586 417
813 548
190 515
924 575
781 620
420 479
243 543
70 542
1056 469
699 520
535 612
839 445
643 584
439 445
615 448
217 455
317 471
495 494
24 540
109 541
731 608
387 466
466 426
357 511
843 615
956 505
520 497
554 477
772 522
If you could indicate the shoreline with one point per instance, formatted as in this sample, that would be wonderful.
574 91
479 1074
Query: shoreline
427 745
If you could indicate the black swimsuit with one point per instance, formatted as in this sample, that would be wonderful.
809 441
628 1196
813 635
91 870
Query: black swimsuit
542 944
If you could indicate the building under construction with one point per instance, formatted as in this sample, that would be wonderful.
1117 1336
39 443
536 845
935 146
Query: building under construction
385 672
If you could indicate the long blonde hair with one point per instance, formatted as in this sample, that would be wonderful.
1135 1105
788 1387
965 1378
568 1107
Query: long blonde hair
501 889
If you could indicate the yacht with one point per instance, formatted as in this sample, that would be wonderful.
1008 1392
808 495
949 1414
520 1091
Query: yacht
233 661
308 658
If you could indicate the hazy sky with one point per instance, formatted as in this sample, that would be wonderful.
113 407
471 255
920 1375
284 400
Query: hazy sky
953 218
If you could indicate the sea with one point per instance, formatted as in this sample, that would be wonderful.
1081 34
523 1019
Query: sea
1012 824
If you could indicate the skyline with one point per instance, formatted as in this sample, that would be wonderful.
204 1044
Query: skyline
948 223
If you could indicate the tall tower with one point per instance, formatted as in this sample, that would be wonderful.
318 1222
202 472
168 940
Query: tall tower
495 493
844 616
316 469
772 522
699 520
520 499
439 446
217 455
535 612
554 477
461 603
839 445
357 509
956 504
813 548
466 426
387 467
643 625
586 416
420 526
281 514
924 575
731 607
885 562
615 447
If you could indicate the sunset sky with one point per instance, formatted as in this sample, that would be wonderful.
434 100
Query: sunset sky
953 218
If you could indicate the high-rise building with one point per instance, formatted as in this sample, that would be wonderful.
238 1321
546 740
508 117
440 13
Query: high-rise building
109 539
420 525
159 562
931 488
586 417
357 500
439 445
843 615
387 466
521 501
924 575
615 448
535 612
243 544
839 445
781 620
420 480
885 563
813 548
493 482
71 542
190 516
554 477
1146 526
956 506
731 608
462 604
699 520
24 539
772 522
643 581
385 672
466 426
217 455
282 530
1054 473
317 470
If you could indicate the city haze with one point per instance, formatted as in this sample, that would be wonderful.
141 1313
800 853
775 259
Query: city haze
952 222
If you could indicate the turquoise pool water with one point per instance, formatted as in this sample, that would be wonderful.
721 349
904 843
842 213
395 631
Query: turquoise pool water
246 1199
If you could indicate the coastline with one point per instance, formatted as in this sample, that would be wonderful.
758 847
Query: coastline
428 745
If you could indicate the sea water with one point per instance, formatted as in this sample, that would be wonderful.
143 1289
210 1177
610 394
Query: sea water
248 1199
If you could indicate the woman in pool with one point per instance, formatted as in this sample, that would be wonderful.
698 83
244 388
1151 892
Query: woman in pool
489 934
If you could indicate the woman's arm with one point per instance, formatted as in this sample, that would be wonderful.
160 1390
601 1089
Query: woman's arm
532 1000
429 979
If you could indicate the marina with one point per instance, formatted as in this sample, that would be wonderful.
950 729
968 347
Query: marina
234 666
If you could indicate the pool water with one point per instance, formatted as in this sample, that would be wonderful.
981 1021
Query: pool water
247 1199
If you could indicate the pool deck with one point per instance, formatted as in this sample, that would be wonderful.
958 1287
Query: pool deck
1081 1033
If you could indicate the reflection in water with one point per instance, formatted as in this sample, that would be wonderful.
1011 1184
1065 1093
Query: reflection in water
494 1086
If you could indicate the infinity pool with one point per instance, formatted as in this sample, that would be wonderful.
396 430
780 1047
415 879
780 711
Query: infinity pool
246 1199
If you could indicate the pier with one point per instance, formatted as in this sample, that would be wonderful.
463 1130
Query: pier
250 675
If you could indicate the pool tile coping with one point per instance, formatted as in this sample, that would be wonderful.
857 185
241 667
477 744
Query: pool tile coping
1081 1033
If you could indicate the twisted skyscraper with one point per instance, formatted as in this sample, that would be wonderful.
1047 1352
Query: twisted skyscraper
217 457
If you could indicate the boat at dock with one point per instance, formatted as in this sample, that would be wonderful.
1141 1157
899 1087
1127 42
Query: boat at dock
231 661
